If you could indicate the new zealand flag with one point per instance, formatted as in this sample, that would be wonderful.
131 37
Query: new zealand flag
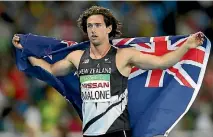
157 99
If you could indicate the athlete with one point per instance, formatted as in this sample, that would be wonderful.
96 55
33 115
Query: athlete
103 72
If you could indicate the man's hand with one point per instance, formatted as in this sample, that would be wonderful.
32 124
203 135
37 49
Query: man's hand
16 42
195 40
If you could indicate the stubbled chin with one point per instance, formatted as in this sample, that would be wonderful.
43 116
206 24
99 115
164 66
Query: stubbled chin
95 43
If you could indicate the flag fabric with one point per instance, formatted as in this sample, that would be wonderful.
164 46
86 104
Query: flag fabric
157 99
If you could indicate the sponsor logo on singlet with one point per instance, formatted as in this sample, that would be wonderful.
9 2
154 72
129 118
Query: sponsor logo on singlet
95 88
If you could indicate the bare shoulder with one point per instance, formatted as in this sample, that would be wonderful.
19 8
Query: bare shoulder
129 55
75 56
124 55
122 61
126 52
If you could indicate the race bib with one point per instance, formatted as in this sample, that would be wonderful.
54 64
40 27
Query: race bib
95 88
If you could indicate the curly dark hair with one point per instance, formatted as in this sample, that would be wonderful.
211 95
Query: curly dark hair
109 19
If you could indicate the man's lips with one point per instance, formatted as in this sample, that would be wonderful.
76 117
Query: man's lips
94 36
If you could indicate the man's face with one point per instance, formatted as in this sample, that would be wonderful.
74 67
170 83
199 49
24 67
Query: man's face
97 30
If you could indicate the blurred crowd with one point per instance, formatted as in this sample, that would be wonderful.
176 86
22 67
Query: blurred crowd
29 107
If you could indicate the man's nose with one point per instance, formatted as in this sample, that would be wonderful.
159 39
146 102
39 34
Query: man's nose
93 29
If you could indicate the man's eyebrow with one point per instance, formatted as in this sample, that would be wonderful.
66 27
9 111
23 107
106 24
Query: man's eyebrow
94 23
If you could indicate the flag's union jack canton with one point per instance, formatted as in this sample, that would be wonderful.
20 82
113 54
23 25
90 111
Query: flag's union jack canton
159 46
157 99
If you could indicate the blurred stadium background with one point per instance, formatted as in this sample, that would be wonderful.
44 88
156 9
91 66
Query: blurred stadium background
30 108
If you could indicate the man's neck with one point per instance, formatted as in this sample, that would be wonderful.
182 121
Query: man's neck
99 51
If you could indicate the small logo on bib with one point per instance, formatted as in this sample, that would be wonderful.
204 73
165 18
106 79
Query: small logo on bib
85 61
107 60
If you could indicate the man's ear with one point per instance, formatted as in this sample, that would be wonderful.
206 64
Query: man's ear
109 29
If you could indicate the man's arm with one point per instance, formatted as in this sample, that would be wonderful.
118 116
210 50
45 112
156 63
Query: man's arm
60 68
146 61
